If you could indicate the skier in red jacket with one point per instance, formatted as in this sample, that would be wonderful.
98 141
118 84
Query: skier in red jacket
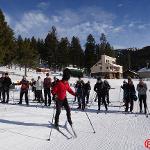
60 91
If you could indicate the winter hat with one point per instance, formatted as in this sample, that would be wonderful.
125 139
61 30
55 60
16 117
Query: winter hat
66 74
105 81
99 79
47 74
124 81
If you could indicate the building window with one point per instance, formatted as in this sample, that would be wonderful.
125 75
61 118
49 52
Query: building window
107 61
106 67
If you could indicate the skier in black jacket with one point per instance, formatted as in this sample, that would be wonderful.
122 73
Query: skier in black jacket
130 95
100 90
80 93
5 86
87 88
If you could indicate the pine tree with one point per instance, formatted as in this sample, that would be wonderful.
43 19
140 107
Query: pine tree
63 53
7 42
42 51
90 52
76 53
27 55
98 52
105 47
51 45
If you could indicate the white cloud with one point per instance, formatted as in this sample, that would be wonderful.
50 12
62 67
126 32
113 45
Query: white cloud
83 22
32 23
67 22
120 5
118 29
43 5
138 25
144 26
131 25
72 23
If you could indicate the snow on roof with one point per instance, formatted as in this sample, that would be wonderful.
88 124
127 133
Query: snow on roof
115 65
131 71
144 70
73 68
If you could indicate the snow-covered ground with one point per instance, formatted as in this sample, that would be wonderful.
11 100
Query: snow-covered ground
27 128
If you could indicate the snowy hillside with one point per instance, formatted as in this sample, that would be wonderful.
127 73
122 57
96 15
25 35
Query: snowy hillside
27 128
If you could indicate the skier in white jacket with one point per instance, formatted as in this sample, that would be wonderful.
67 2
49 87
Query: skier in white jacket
39 87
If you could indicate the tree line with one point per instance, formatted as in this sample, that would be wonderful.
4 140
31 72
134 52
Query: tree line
59 53
133 58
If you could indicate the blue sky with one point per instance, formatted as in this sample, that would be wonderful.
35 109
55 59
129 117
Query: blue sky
126 23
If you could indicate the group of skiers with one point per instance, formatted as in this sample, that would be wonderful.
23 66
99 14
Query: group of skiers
102 93
58 89
37 87
82 93
129 94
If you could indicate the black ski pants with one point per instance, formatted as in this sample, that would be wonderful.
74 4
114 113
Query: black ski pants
1 90
87 94
39 95
107 97
129 100
81 101
4 93
59 105
47 94
142 99
24 92
101 98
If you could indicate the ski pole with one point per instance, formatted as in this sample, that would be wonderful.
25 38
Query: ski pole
50 133
90 122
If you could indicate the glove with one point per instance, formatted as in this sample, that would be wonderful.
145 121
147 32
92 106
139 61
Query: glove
54 98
